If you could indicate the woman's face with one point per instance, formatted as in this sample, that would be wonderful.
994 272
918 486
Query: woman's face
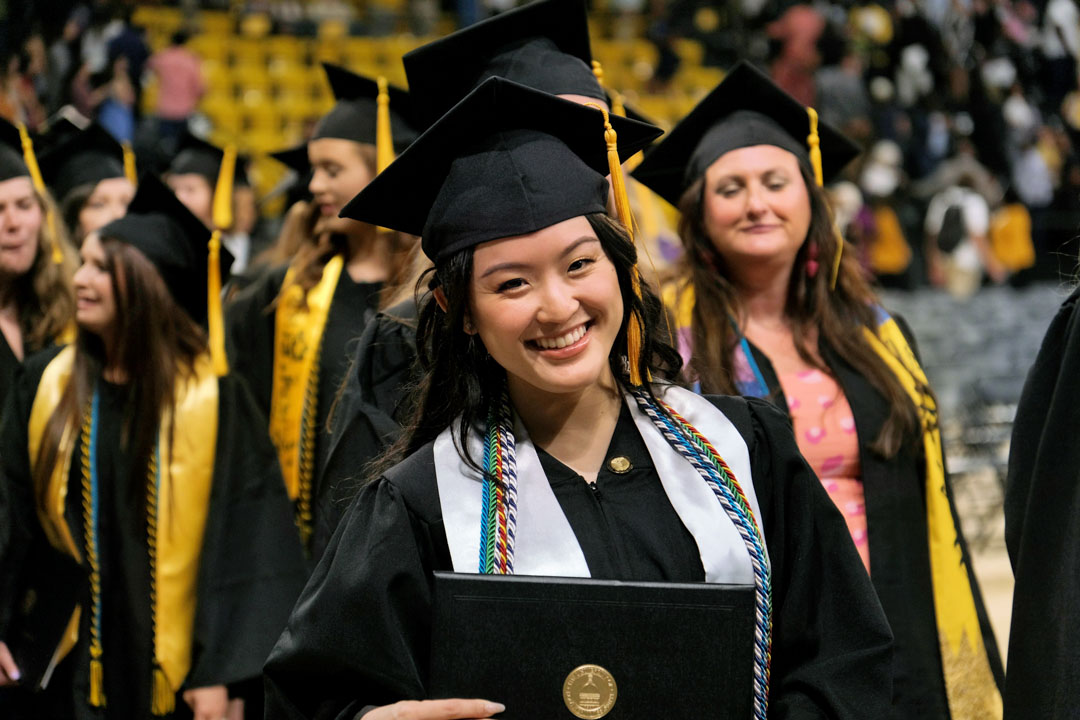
195 192
547 306
756 207
339 173
20 223
95 302
108 202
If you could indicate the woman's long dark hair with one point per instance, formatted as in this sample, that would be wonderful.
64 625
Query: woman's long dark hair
157 343
838 315
461 380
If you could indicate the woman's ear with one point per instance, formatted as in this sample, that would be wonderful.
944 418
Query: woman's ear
440 298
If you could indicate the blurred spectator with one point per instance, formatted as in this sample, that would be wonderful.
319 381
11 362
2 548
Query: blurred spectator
102 28
1010 239
842 98
796 32
1060 49
957 243
130 44
180 86
63 53
115 101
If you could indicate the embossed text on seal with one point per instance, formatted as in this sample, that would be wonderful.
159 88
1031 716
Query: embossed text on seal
590 692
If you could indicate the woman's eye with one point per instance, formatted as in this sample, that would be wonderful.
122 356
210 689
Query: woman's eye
728 190
777 185
579 264
511 284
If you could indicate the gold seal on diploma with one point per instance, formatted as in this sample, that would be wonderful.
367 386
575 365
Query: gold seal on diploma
589 692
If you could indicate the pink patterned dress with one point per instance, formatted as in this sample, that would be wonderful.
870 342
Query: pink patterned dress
825 432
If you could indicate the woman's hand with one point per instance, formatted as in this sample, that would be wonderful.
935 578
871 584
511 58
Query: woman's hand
208 703
9 672
455 709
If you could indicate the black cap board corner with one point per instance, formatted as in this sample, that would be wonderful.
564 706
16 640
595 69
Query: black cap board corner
196 156
543 45
174 240
745 109
353 116
12 163
505 161
84 158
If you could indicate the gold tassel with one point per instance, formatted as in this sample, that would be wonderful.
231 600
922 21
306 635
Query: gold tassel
634 330
618 107
814 141
163 699
384 136
39 184
97 683
222 219
598 71
129 163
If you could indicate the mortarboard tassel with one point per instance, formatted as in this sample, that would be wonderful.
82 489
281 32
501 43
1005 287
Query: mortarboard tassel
384 137
622 209
129 164
814 141
39 184
222 219
163 699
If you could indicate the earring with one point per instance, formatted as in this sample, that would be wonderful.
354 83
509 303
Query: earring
468 326
812 260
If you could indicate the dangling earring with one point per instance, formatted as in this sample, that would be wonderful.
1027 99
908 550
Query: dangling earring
811 260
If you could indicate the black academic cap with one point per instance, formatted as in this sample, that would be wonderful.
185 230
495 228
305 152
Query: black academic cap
12 164
165 231
85 158
507 160
543 45
195 156
295 158
353 117
746 109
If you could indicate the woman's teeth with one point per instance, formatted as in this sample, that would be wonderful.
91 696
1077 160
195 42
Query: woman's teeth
560 342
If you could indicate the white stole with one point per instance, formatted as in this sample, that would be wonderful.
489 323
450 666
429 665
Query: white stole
546 544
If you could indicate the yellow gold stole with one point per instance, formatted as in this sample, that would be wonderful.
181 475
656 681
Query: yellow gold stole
970 686
187 471
298 330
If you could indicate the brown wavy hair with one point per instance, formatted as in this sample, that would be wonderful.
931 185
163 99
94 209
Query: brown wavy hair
44 295
837 315
157 343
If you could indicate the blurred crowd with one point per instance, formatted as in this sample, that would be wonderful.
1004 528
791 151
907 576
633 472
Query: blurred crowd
968 110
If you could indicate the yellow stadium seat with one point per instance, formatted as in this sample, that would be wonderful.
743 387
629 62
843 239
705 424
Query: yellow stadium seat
214 22
691 52
153 17
359 51
209 47
219 79
225 115
255 25
247 51
328 50
285 50
261 118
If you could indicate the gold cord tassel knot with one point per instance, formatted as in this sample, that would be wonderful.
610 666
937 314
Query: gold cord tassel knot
384 136
97 682
163 699
129 163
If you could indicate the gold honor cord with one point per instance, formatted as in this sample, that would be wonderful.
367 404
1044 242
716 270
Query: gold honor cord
384 136
223 218
39 184
970 687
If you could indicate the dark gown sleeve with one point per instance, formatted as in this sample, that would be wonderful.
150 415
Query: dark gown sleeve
1042 503
832 648
252 568
249 335
359 634
18 519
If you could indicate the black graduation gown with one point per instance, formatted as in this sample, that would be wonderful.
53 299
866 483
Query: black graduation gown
370 410
1042 504
895 491
360 634
250 326
251 567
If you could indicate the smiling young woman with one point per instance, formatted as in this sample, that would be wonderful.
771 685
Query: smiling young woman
545 388
768 306
126 451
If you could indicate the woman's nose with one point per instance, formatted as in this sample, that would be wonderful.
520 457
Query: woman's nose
557 305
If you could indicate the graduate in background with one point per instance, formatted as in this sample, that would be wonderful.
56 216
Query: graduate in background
193 176
767 307
541 346
290 331
132 452
37 305
1042 495
92 177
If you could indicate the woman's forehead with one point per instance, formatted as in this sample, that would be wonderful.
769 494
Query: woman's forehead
548 243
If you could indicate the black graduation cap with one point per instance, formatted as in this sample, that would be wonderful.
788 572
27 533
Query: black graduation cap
163 229
543 45
295 158
12 163
746 109
84 158
507 160
353 117
196 156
